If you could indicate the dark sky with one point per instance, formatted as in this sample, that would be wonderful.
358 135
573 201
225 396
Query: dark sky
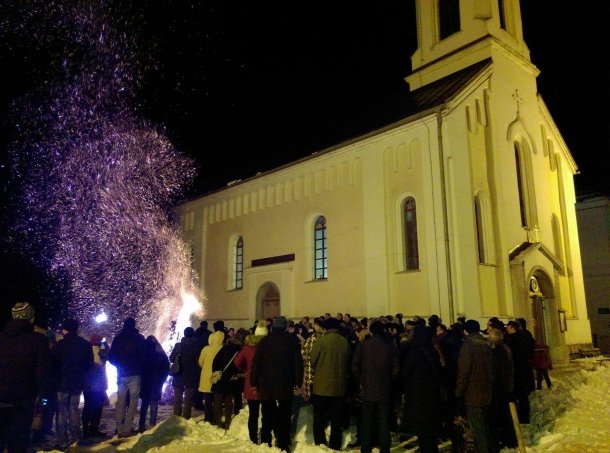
247 86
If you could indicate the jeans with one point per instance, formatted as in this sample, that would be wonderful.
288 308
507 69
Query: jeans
131 385
276 417
15 426
68 415
543 373
92 412
183 406
253 411
154 408
322 406
223 406
478 418
374 424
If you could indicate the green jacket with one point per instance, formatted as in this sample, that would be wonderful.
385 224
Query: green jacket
330 358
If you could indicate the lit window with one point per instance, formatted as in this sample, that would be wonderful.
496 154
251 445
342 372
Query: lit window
410 226
239 264
320 249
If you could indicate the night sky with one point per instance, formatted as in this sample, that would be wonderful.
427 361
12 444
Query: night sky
262 80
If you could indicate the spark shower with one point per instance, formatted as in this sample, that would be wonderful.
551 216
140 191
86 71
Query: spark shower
95 181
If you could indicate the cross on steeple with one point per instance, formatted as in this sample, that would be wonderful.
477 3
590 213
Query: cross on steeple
518 100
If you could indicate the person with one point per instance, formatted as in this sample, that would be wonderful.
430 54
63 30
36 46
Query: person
542 364
420 371
203 334
205 360
185 383
94 392
73 356
503 433
243 362
330 359
127 354
154 375
375 366
523 373
225 389
277 368
474 384
449 342
25 367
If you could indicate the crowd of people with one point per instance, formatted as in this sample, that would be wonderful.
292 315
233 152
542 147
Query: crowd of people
384 375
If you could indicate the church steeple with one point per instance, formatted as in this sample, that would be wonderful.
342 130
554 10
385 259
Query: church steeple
454 34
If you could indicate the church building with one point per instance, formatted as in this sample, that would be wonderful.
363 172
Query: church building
458 201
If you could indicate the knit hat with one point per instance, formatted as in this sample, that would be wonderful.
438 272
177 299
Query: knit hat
376 328
23 310
280 322
261 328
332 323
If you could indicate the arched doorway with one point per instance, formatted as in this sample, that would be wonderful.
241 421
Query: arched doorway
268 301
542 303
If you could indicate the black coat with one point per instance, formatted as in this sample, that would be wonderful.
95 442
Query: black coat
154 373
226 385
25 362
73 357
523 372
375 365
127 352
277 367
189 362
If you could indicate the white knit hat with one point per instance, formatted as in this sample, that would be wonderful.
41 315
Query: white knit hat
23 310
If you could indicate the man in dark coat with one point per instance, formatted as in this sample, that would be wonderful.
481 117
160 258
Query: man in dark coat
25 367
522 369
185 383
474 384
127 354
375 365
277 368
73 357
154 375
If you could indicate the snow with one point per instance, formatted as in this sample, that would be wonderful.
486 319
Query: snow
572 416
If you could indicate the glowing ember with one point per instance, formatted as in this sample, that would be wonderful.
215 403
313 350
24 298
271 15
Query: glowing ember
96 181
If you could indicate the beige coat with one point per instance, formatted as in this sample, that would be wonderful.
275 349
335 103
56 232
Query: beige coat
206 358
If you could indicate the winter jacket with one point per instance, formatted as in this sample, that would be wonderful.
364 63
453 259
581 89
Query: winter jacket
74 358
375 365
519 345
420 373
154 373
127 352
277 367
243 362
25 362
330 359
475 375
189 355
97 380
542 358
206 358
502 367
226 385
308 371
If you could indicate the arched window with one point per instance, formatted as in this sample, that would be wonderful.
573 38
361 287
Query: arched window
448 17
320 249
478 214
410 229
238 266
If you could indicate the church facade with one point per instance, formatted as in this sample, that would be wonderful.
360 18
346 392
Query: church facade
461 204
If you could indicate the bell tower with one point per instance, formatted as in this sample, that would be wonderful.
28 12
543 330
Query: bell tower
454 34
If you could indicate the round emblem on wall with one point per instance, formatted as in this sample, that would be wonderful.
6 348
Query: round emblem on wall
534 285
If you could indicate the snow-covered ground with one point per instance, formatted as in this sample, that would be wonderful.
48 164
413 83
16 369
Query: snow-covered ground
573 416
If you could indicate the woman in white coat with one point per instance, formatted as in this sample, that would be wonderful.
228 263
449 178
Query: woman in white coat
206 358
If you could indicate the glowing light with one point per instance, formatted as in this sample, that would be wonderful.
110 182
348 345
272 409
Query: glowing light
101 318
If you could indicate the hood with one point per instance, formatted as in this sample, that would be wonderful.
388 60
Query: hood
253 340
17 327
216 339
